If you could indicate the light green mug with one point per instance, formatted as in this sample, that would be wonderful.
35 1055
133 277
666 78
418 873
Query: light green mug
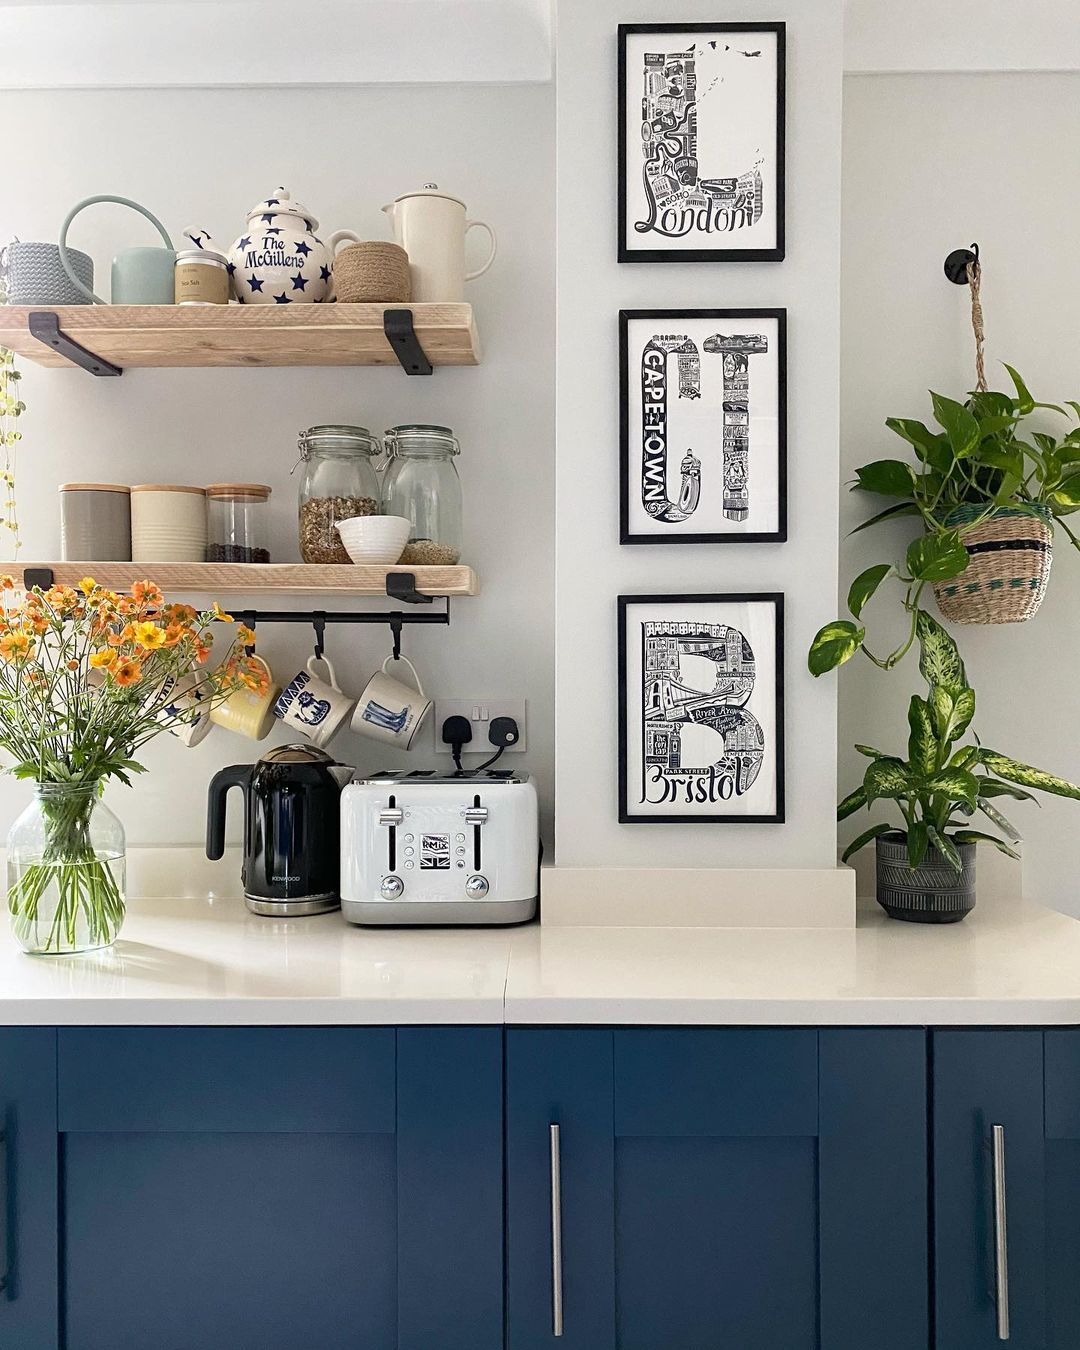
140 276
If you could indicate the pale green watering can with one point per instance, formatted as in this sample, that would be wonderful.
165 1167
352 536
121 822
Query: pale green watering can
140 276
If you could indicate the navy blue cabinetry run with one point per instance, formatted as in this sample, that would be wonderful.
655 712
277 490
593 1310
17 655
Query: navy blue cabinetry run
760 1189
254 1189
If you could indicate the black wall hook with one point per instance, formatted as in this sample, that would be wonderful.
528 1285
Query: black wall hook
956 264
318 622
395 628
248 617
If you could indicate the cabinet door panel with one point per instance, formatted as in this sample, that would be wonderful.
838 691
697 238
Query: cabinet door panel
1062 1049
28 1249
982 1079
229 1241
716 1243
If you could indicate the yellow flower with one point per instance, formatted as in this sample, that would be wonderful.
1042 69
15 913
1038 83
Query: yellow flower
16 647
103 660
88 585
149 635
220 614
127 672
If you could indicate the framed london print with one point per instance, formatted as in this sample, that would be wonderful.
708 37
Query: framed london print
701 142
701 708
703 426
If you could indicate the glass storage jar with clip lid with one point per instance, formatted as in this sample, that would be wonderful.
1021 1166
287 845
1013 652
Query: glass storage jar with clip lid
421 483
339 482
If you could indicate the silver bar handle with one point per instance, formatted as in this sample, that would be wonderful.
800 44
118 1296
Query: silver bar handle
1001 1235
556 1233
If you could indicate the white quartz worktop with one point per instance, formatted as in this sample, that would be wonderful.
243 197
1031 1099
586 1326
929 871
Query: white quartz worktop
207 961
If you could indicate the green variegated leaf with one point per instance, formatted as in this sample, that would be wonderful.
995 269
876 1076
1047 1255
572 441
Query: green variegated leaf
977 836
936 557
958 784
864 586
886 778
922 743
1002 822
939 656
918 840
965 757
871 753
990 787
833 645
960 425
1026 775
953 711
890 513
864 839
886 477
946 846
1023 394
853 802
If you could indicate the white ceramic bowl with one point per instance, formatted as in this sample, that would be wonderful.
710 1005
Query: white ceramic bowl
374 539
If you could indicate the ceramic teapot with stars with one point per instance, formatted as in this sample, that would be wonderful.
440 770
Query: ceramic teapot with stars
279 259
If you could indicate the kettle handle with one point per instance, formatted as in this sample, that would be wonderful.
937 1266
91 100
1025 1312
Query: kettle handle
236 775
92 201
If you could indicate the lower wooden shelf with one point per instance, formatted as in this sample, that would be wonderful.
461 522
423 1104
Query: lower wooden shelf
264 578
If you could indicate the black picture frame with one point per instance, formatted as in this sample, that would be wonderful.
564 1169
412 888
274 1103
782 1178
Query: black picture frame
626 535
777 816
750 254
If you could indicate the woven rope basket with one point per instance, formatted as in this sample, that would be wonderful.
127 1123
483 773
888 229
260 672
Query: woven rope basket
372 274
1006 577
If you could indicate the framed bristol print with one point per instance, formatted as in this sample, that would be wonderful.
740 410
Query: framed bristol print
703 426
701 142
701 708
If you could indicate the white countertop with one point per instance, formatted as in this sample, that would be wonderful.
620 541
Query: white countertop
203 961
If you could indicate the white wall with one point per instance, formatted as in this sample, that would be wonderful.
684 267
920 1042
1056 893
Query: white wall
205 157
932 162
592 568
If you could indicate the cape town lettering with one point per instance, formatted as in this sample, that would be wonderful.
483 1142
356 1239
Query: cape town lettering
699 745
736 352
678 199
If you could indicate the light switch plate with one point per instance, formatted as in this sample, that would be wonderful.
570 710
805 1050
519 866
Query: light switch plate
480 713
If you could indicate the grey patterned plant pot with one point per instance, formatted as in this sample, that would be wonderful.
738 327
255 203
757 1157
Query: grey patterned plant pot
930 893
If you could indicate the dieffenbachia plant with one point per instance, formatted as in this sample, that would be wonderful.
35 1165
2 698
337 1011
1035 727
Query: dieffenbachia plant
941 785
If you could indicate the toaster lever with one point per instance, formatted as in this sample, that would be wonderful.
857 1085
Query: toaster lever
476 815
391 815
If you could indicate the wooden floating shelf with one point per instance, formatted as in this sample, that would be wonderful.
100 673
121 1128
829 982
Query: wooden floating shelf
263 578
132 336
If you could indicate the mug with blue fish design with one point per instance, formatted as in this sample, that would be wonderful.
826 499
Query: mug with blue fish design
315 707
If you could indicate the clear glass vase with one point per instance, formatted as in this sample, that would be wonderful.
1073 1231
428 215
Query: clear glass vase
66 871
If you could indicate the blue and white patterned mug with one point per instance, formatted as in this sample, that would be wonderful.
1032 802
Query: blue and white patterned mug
312 706
388 710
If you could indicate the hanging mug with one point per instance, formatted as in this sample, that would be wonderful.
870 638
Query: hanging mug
313 706
140 276
389 710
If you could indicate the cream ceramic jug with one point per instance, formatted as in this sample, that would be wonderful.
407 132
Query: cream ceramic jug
431 227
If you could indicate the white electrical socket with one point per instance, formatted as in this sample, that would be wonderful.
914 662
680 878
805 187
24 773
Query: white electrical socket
480 713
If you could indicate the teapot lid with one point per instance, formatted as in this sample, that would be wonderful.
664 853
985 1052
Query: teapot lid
429 190
281 203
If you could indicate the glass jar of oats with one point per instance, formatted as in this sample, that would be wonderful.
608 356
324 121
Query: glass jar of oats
339 482
421 483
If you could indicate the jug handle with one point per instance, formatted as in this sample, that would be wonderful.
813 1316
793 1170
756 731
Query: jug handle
236 775
336 238
92 201
482 225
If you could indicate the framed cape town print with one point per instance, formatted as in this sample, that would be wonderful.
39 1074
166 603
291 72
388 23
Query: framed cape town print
701 708
701 142
703 426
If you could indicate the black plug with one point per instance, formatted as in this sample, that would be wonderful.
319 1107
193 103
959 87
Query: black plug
502 732
456 733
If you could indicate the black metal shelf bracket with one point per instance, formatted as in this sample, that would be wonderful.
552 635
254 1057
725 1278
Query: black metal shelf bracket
402 586
956 264
401 335
45 326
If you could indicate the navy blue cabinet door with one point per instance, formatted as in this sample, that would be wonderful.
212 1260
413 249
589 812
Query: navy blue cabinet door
764 1189
269 1189
989 1190
28 1256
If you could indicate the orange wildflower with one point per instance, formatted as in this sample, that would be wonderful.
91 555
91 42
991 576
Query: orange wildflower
127 672
174 633
147 593
16 647
202 651
7 582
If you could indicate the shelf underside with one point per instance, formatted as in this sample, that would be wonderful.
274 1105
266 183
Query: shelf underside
243 335
264 578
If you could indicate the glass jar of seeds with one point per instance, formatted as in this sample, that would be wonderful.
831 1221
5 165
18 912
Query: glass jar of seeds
339 482
421 483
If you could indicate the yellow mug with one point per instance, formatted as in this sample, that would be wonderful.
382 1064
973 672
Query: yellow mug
246 711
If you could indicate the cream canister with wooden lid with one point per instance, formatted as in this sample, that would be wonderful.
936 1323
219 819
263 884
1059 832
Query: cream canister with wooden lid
95 522
168 523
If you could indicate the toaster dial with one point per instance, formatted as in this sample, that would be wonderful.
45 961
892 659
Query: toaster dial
392 887
477 887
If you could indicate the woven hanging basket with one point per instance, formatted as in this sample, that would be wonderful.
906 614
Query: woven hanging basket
1005 580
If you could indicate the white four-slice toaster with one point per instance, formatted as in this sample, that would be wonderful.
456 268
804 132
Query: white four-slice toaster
427 848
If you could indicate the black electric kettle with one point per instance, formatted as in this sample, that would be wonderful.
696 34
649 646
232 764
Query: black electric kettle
291 828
